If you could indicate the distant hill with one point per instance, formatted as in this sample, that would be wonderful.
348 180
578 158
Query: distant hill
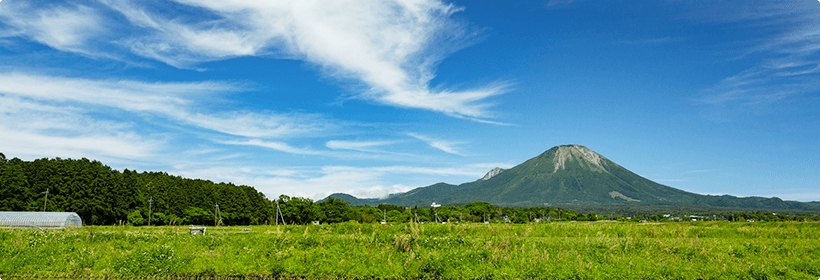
567 175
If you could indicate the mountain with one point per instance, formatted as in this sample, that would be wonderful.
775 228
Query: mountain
567 175
492 173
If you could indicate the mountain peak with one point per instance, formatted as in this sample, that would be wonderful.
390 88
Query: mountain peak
569 174
583 156
492 173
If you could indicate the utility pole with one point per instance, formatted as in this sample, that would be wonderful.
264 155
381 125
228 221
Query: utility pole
217 215
435 210
45 202
279 215
150 203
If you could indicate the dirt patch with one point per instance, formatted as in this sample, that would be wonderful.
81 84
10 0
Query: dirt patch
615 194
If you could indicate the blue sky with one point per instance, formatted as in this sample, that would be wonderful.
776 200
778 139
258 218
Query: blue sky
308 98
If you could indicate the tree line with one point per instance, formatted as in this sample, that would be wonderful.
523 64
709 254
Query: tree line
297 210
105 196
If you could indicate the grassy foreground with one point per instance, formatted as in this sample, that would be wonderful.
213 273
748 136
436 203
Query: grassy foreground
588 250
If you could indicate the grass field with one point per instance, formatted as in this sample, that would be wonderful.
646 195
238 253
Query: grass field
582 250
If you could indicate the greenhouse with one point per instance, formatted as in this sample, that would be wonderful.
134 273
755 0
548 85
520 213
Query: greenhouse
50 220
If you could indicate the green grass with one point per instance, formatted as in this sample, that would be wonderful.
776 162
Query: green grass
583 250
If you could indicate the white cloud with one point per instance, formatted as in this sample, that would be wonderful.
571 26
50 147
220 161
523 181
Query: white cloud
379 191
32 130
175 101
101 146
444 145
651 41
791 70
274 145
266 124
556 4
361 146
319 182
122 120
390 47
65 29
126 95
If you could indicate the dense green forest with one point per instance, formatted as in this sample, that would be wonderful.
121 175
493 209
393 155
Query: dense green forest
104 196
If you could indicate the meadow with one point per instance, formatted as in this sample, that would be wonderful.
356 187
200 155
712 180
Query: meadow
563 250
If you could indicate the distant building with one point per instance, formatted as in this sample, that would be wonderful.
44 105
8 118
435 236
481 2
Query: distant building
501 218
48 220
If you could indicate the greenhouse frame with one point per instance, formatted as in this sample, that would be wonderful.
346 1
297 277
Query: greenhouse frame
44 220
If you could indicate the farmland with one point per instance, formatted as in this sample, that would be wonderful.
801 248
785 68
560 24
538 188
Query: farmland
562 250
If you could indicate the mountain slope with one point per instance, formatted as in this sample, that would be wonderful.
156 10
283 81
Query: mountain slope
571 174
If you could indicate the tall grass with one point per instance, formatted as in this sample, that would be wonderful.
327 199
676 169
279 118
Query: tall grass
588 250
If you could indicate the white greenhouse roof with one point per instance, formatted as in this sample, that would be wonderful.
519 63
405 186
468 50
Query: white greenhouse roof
40 220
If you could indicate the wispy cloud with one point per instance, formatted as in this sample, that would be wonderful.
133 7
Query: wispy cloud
274 145
558 4
32 130
391 48
58 116
260 124
652 41
790 71
64 27
175 101
126 95
444 145
362 146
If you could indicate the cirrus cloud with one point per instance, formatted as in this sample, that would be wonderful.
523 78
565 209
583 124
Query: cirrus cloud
389 48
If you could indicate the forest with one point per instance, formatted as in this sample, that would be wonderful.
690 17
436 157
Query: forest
105 196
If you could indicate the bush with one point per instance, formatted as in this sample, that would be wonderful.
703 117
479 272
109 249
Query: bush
135 218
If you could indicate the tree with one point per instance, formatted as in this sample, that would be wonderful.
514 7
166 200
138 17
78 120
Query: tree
333 210
479 208
15 194
199 216
296 210
135 218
